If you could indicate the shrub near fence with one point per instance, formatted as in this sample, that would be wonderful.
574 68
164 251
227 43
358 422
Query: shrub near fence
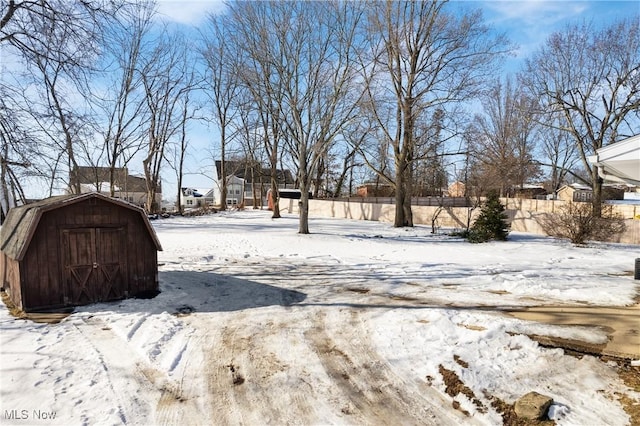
524 214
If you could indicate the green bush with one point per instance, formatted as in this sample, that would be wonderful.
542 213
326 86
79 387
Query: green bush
491 223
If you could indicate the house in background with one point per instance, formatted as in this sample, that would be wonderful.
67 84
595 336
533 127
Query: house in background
457 189
191 198
372 189
243 177
584 193
127 187
530 191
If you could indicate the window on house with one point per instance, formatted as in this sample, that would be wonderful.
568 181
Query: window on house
189 202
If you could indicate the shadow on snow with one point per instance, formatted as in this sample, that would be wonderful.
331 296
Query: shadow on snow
185 292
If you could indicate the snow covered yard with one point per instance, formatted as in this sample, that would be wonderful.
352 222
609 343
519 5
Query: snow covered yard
357 323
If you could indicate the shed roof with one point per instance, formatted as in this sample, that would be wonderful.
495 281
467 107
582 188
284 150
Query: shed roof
21 222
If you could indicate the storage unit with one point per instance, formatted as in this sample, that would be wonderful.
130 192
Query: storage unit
74 250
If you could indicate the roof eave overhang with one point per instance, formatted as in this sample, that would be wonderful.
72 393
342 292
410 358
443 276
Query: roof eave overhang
613 161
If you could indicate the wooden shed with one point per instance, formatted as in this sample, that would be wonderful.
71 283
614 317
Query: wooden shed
74 250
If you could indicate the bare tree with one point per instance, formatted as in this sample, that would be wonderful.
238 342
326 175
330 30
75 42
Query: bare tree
60 77
80 20
176 153
353 137
248 133
168 78
121 103
55 40
317 53
591 78
559 153
429 174
505 135
256 30
423 59
223 85
16 149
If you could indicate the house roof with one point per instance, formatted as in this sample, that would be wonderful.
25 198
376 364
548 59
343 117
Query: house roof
190 192
620 161
97 179
21 222
580 187
247 172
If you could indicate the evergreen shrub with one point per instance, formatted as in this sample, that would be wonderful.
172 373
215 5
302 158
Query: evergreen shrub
492 222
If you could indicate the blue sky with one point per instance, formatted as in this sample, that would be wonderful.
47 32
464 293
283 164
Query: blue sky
528 23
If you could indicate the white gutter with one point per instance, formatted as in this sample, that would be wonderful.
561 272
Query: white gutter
617 162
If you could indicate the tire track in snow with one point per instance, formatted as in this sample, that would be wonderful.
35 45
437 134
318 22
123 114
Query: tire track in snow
114 358
374 393
219 356
248 383
171 402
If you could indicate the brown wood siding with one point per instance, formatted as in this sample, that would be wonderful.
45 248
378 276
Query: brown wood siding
43 283
120 256
143 260
11 279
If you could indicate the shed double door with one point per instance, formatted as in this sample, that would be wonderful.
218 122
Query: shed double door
94 264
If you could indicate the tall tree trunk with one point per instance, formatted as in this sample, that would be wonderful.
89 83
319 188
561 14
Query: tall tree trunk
223 172
274 185
399 220
303 178
597 192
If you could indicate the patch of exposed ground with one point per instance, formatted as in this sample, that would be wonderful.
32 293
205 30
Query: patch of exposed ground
509 417
358 290
454 386
39 317
472 327
628 374
621 274
570 346
13 310
631 377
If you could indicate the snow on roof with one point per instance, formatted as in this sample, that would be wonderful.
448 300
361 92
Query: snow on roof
20 223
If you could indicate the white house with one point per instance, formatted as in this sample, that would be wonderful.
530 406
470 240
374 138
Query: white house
620 161
235 190
192 198
242 178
